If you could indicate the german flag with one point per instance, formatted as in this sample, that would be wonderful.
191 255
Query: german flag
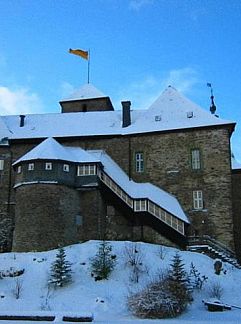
83 54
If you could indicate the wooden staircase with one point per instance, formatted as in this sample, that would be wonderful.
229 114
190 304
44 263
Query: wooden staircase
214 249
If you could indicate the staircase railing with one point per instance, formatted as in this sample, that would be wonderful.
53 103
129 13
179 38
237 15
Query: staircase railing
210 246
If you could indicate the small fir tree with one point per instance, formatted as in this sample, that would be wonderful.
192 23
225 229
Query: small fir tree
61 273
103 263
179 282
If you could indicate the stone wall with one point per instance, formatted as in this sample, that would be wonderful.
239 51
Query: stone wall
84 105
7 203
236 182
45 217
167 164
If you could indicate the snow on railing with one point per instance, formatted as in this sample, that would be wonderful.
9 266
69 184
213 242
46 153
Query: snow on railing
148 205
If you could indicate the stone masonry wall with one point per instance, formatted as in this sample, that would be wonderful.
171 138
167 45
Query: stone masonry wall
7 204
167 164
45 217
236 182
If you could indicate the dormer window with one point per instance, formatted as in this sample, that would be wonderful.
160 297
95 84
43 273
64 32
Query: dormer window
19 169
66 167
30 166
158 118
189 114
48 166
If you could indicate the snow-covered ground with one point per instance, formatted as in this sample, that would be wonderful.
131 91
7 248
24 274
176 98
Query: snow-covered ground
106 299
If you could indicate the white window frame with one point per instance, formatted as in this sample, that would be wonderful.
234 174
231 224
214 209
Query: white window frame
48 166
1 165
197 199
19 169
66 167
140 205
86 170
139 162
196 159
30 166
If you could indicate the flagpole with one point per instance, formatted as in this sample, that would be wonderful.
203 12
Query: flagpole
88 79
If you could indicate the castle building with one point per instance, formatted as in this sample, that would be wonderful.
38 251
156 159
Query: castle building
163 175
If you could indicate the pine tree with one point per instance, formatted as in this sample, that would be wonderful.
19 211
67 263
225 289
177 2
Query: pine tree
104 261
60 270
179 282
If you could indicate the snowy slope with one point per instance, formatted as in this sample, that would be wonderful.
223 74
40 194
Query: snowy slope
106 300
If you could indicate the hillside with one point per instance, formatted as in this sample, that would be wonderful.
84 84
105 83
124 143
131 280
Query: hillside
106 299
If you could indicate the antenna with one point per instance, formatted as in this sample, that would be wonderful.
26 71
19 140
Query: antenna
212 107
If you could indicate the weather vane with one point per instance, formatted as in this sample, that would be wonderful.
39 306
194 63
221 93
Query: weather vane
212 107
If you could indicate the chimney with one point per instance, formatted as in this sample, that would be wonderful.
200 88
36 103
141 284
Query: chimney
22 120
126 113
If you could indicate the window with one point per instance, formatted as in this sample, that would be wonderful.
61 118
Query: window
48 166
86 169
198 199
1 165
196 161
139 159
66 167
19 169
30 166
140 205
79 220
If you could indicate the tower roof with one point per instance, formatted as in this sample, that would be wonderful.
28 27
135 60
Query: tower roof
87 91
50 149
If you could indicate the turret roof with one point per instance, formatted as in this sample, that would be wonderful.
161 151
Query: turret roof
50 149
87 91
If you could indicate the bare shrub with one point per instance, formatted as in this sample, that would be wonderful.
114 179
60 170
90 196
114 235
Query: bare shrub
162 252
45 305
18 288
196 280
215 290
135 259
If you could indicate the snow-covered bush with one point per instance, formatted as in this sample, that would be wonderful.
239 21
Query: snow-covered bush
103 263
156 300
134 258
61 273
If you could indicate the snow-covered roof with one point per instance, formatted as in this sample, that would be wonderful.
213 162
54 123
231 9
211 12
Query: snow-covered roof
235 164
4 132
140 190
87 91
50 149
171 111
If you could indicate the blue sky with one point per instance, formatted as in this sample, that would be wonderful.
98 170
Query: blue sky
138 47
